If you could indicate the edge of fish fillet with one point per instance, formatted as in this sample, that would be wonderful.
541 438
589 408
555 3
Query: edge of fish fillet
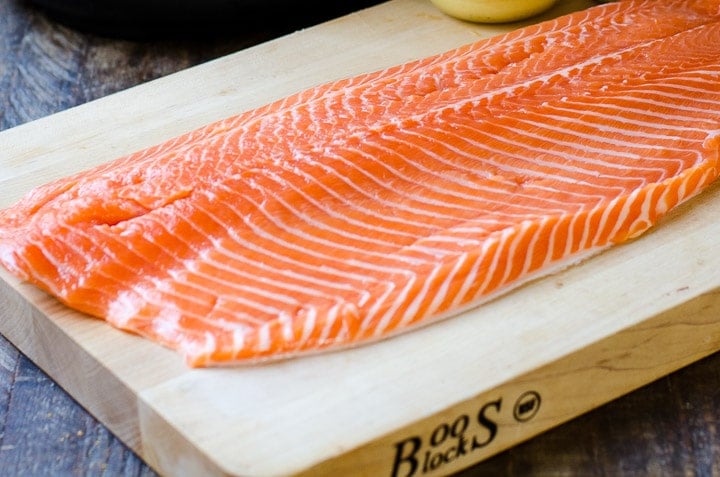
200 356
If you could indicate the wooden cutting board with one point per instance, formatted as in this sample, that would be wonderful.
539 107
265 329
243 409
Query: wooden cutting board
426 403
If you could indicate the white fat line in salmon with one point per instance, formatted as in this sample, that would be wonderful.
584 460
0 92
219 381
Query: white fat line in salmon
287 269
430 186
552 169
680 101
603 122
581 147
322 227
320 242
654 110
400 206
383 322
616 141
442 291
492 152
400 191
411 312
209 280
325 269
616 111
373 213
424 166
518 192
665 141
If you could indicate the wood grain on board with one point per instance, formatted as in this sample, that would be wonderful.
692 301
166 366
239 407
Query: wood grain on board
340 410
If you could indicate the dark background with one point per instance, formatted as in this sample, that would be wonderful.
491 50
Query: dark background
54 58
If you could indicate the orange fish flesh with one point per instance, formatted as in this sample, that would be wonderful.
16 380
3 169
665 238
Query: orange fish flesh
363 207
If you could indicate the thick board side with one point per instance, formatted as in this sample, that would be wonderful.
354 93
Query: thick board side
523 407
350 411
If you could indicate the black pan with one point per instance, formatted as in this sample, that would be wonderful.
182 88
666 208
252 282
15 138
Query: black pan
193 17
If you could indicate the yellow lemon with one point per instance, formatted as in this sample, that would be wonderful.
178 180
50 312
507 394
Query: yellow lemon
493 11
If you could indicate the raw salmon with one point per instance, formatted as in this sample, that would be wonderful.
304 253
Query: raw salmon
360 208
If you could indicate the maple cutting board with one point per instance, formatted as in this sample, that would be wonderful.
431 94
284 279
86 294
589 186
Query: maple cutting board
425 403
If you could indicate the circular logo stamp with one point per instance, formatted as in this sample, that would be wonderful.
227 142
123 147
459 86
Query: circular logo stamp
526 406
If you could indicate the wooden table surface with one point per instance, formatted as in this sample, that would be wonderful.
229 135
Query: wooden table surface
666 428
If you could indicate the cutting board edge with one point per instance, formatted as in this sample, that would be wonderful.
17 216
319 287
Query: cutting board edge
627 359
633 348
104 394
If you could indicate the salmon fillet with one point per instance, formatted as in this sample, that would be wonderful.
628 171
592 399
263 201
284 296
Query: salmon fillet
363 207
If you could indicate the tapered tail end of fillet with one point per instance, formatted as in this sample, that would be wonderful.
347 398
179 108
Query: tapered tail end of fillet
310 330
